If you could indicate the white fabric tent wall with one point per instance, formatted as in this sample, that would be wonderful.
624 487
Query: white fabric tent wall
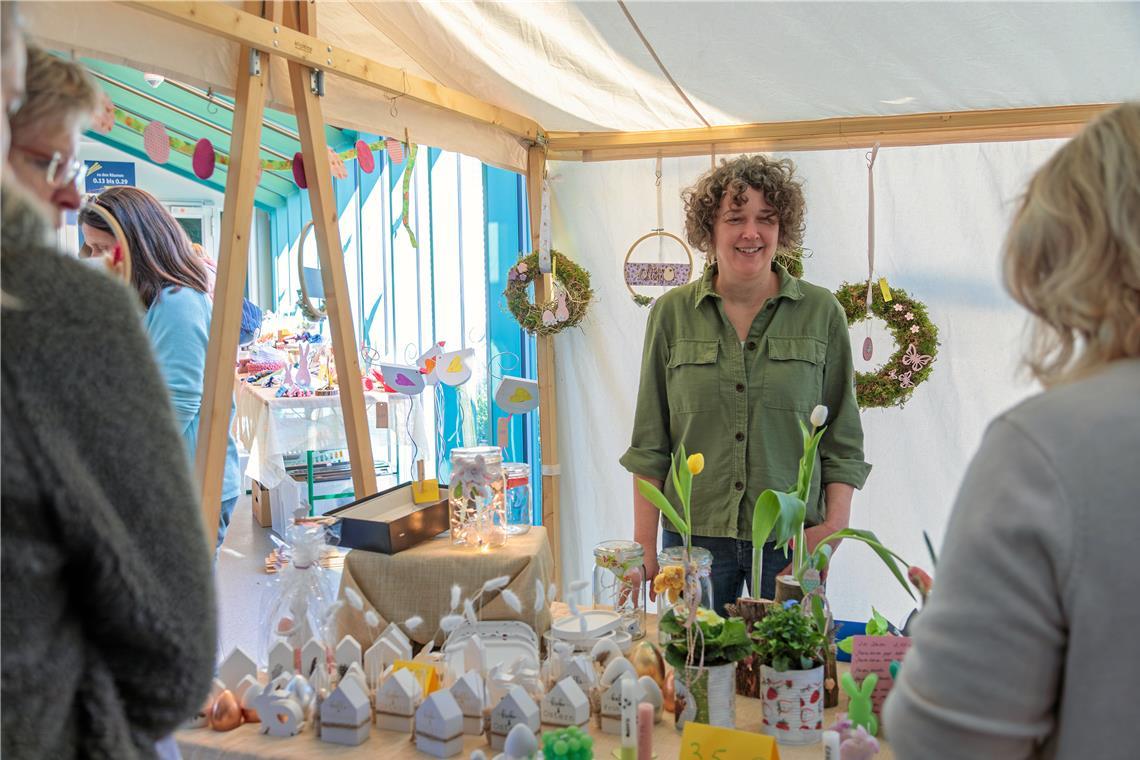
942 216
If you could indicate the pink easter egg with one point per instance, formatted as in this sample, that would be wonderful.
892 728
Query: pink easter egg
299 171
395 150
156 142
364 157
204 159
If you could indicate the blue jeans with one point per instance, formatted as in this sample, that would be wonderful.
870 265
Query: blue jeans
732 567
224 520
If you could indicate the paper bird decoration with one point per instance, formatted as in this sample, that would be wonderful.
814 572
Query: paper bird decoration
451 367
517 395
403 378
428 361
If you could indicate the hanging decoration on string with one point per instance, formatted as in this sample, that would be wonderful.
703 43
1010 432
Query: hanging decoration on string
402 378
570 304
412 150
916 337
336 165
299 171
660 273
103 117
204 159
545 262
428 361
364 157
395 150
452 368
156 142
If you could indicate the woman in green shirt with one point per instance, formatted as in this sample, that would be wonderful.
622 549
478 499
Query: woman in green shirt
732 362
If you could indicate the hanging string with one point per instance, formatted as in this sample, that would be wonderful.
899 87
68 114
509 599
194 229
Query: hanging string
499 360
871 156
660 215
410 432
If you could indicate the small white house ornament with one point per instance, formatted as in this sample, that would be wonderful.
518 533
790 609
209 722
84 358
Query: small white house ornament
396 702
470 694
516 707
566 705
345 714
439 725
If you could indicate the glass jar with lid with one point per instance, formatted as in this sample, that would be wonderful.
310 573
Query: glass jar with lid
670 584
619 583
476 500
519 516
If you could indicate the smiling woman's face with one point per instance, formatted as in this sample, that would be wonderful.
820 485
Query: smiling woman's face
745 237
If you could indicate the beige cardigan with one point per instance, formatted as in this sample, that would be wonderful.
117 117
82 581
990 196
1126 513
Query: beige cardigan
1028 645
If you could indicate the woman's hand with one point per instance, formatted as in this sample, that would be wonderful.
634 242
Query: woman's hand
814 535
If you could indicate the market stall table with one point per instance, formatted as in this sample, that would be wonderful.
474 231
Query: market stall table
247 742
270 427
418 582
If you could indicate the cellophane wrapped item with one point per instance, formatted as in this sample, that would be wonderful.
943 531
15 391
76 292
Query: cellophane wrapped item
298 604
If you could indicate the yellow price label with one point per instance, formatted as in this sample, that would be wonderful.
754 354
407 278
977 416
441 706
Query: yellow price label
425 491
424 672
701 742
885 289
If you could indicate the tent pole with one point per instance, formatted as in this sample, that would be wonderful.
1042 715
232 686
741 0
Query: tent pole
233 263
547 389
302 16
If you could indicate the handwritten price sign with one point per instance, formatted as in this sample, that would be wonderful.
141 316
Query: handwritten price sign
701 742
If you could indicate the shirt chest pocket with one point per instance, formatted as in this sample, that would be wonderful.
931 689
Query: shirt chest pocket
793 374
693 378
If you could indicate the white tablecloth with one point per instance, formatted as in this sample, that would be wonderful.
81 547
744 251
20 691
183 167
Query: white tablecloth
271 427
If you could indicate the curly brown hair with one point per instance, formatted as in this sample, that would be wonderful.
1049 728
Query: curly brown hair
774 178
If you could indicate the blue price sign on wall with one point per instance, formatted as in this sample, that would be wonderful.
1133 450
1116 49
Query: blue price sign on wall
101 174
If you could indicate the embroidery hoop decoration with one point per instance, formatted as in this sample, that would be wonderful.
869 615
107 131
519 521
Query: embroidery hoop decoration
641 273
308 308
894 382
120 237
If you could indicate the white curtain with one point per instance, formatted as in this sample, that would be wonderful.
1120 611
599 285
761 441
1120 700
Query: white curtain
941 220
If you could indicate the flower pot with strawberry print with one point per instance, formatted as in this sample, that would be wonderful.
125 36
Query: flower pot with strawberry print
793 704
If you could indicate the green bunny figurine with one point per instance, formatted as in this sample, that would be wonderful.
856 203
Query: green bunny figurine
859 710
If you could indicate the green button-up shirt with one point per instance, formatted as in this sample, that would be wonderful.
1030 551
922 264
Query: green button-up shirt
740 405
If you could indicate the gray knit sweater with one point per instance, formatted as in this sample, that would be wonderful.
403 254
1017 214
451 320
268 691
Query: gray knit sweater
1027 648
108 625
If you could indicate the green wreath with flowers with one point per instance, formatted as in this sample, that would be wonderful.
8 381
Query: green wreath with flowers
916 340
566 310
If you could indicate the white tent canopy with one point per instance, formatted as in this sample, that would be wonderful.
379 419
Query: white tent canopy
581 66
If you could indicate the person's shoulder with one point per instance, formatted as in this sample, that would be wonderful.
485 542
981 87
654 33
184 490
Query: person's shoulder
1099 412
180 302
817 296
44 280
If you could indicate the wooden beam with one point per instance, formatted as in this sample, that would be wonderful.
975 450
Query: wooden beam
326 231
829 134
306 49
233 263
547 385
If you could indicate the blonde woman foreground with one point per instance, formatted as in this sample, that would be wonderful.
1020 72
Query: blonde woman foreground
1026 647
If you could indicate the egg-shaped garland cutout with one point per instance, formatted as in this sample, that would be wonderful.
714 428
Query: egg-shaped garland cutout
336 165
156 142
395 150
204 159
299 171
364 157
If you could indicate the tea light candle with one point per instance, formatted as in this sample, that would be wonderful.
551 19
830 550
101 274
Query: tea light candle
645 720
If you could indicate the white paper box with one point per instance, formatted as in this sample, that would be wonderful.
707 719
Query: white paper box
516 707
566 705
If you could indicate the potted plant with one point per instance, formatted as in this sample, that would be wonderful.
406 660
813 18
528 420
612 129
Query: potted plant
703 647
792 649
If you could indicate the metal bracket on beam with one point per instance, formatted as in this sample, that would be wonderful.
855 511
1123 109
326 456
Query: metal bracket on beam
317 82
255 63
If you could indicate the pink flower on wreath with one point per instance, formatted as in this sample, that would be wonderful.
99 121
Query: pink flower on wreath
909 316
899 307
905 381
893 375
914 328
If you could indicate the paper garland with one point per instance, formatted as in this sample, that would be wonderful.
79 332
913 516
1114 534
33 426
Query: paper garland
364 157
186 148
103 118
412 150
299 171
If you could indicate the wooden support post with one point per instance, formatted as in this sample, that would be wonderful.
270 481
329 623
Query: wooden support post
233 261
302 16
547 388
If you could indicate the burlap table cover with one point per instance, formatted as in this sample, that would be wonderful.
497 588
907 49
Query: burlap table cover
245 741
418 582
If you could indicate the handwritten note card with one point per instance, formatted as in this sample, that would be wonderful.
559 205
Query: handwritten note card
701 742
873 654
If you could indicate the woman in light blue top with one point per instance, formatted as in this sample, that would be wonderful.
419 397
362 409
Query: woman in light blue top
171 281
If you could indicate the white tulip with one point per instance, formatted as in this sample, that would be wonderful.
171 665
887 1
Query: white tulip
818 416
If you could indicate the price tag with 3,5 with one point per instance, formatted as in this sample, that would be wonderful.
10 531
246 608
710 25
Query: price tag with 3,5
701 742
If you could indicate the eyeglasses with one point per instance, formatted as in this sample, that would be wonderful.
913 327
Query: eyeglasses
59 170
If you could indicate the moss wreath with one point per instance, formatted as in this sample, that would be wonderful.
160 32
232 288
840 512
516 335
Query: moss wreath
575 281
916 339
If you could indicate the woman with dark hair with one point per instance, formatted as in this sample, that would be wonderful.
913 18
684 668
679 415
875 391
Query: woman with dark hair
172 283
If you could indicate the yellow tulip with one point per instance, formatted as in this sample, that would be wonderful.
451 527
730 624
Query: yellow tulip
696 463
